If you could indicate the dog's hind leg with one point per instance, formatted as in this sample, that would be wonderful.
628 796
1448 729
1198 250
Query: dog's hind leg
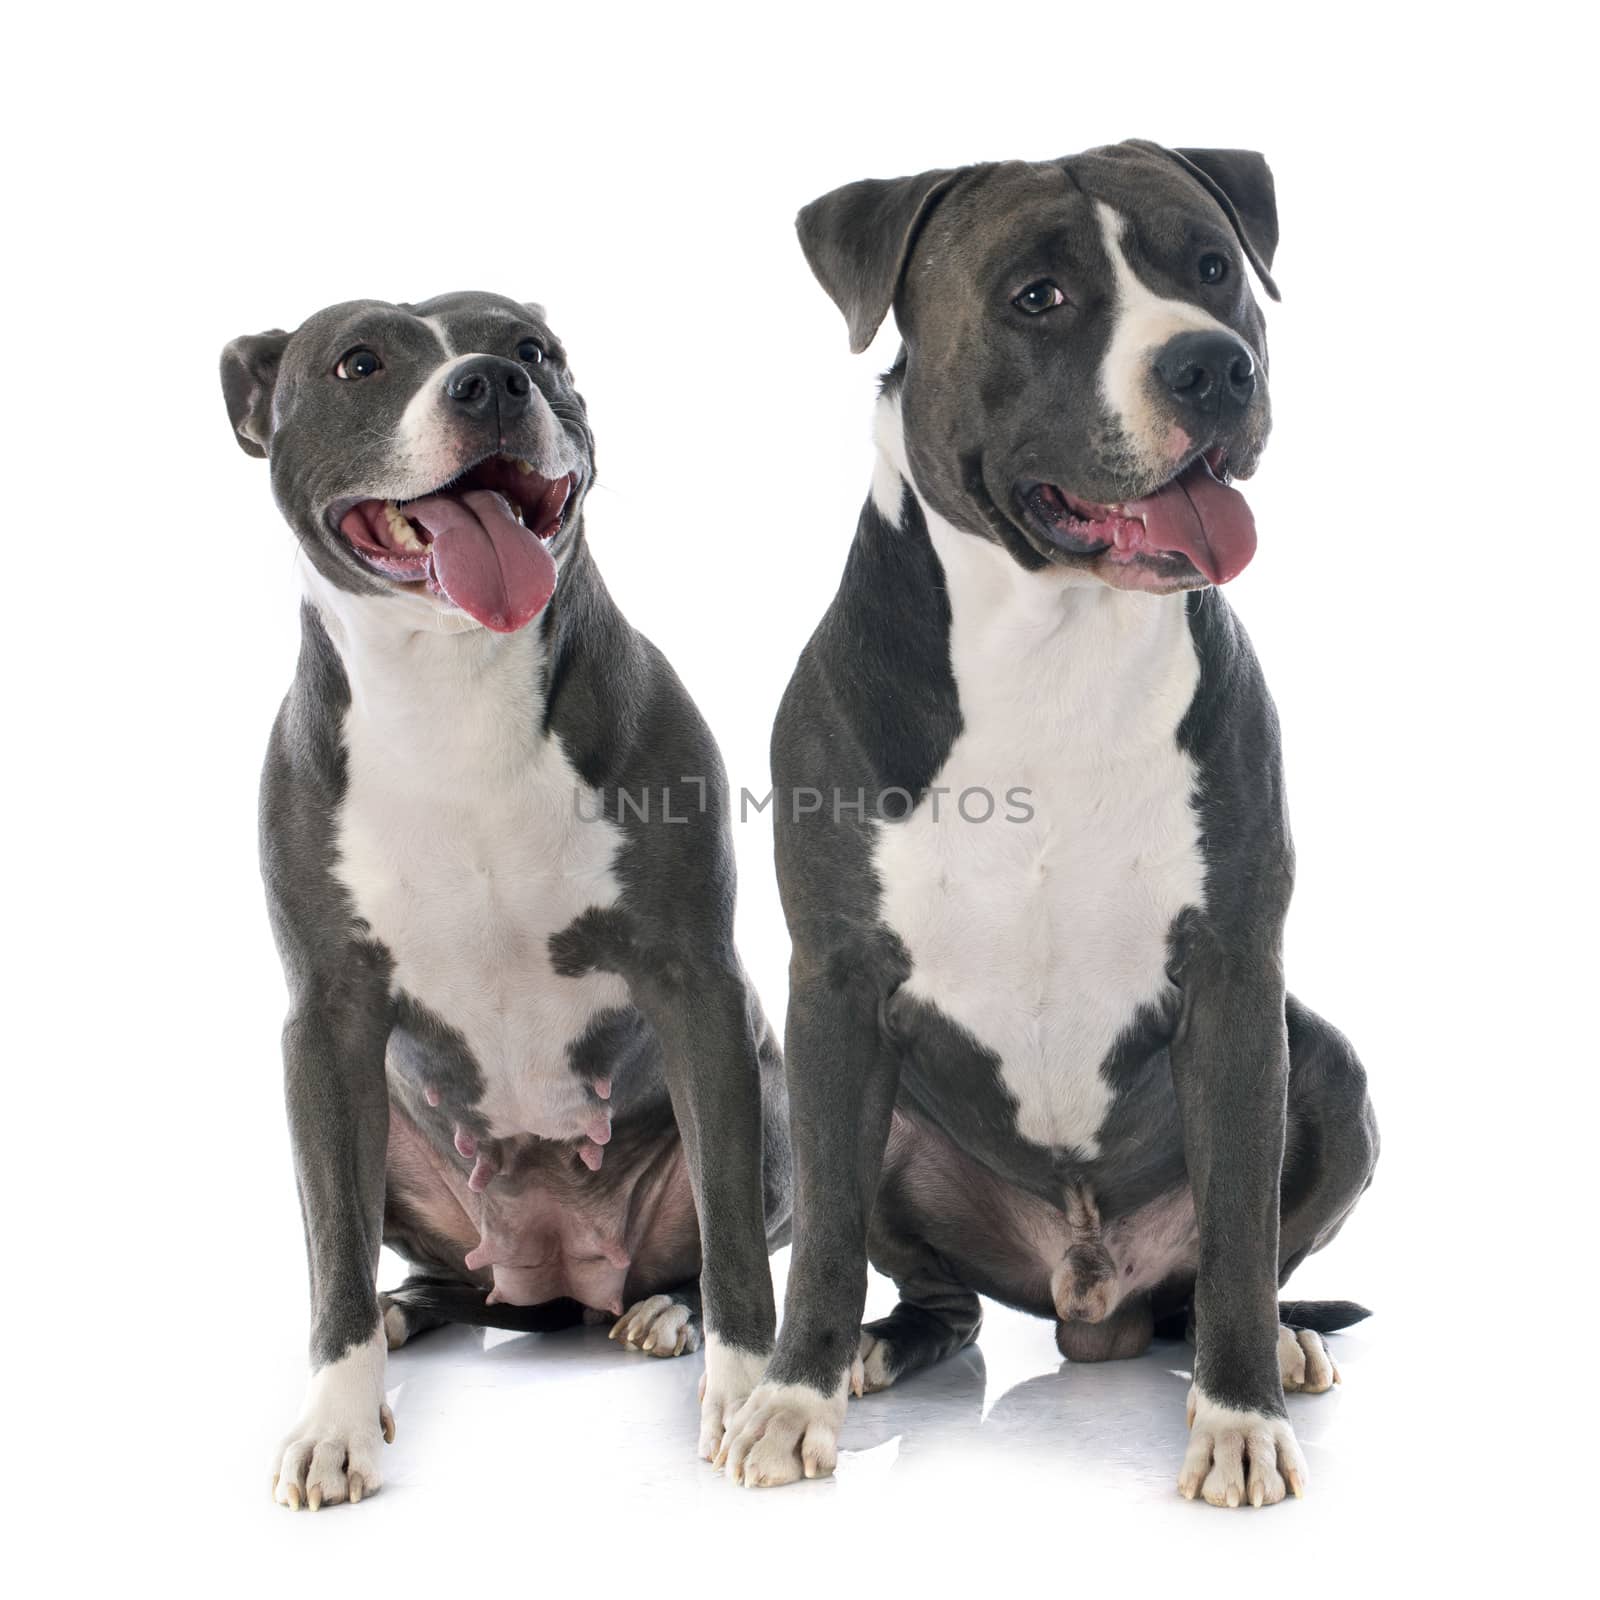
1331 1146
937 1315
1330 1151
662 1324
427 1301
408 1310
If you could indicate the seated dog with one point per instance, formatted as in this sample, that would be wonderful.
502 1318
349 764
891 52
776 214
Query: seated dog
1030 819
520 1046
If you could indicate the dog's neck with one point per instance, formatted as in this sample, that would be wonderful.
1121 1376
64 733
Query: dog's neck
1117 667
422 672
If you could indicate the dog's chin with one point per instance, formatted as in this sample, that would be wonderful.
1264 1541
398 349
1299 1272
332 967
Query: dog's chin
410 606
1193 530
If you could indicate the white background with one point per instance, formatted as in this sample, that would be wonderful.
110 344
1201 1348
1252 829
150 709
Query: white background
1421 601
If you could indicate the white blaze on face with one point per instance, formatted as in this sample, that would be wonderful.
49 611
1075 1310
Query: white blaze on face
424 448
1145 321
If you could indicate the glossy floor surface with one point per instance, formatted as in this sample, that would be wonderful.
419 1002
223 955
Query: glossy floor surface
562 1463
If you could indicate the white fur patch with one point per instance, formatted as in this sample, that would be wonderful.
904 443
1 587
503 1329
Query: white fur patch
1304 1363
871 1372
659 1326
890 475
331 1453
441 333
1145 321
463 847
394 1327
1044 937
1239 1457
783 1432
425 454
729 1378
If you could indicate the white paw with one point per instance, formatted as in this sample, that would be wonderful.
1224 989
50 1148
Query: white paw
870 1372
784 1431
1304 1362
725 1385
394 1326
1239 1457
660 1326
331 1453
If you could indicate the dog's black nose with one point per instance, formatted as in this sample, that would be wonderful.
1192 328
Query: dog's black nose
485 383
1208 371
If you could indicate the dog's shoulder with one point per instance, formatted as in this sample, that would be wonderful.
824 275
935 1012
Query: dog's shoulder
873 699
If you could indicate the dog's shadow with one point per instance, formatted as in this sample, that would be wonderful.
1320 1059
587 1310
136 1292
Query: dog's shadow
1104 1411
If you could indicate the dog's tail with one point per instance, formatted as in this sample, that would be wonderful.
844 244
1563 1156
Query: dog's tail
1321 1316
433 1303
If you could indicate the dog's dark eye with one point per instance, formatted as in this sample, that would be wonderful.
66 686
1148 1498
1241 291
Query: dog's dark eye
531 351
1213 268
1037 297
358 363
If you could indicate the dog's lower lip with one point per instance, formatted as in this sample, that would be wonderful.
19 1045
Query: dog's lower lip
1195 521
1099 532
1066 522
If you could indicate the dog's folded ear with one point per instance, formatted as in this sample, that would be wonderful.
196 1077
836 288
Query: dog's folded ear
249 375
858 240
1240 181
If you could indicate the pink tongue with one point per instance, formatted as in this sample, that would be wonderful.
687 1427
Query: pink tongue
484 560
1205 519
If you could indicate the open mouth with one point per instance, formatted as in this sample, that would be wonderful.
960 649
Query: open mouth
478 541
1196 524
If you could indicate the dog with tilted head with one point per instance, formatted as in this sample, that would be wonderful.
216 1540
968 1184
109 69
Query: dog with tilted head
521 1049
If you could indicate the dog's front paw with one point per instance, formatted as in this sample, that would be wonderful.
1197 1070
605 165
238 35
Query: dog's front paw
331 1453
1304 1362
660 1326
725 1385
784 1431
1236 1457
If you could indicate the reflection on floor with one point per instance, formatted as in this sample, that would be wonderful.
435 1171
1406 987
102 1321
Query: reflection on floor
1004 1423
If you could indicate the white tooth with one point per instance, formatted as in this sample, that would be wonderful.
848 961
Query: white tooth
400 529
524 466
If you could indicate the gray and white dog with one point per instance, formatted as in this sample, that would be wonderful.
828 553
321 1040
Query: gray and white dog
520 1046
1031 830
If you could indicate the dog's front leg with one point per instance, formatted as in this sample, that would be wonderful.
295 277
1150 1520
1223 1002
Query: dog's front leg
842 1079
333 1050
714 1041
1230 1066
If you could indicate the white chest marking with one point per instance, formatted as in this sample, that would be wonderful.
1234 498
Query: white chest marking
463 848
1043 938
